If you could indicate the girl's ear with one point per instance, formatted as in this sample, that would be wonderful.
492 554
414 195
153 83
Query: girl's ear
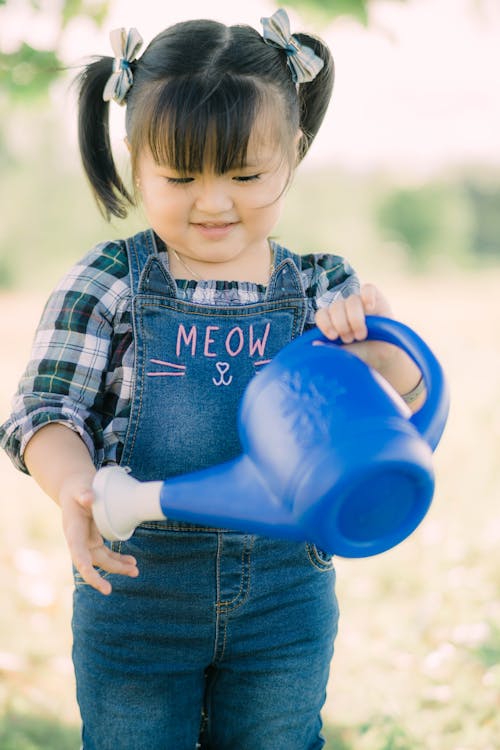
298 140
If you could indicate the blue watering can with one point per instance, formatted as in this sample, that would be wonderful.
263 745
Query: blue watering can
331 455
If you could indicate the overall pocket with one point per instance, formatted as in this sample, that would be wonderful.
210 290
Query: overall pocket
319 558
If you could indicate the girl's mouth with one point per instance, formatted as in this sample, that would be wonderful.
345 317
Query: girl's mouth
215 230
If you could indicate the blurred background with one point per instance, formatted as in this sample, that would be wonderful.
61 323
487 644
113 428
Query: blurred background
403 180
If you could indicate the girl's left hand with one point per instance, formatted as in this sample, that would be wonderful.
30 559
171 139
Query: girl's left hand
344 319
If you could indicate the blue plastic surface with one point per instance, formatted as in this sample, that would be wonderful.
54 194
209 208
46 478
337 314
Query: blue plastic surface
330 454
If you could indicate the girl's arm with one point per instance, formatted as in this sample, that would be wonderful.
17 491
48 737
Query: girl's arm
345 319
60 463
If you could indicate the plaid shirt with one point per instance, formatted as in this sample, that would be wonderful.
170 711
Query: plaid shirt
81 370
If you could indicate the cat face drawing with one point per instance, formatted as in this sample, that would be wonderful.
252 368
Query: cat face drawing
219 347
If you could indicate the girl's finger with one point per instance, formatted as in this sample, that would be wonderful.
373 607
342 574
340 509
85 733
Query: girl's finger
114 562
83 564
339 321
77 534
369 297
374 301
85 498
356 317
128 559
322 320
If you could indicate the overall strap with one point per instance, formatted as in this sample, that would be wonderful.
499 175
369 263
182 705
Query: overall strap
147 272
285 280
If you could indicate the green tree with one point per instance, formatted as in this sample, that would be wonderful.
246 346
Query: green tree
326 10
26 73
484 200
429 222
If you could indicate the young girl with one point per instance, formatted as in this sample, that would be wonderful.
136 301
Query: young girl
140 359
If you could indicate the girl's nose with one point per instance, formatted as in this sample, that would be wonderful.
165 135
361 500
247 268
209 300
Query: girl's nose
213 196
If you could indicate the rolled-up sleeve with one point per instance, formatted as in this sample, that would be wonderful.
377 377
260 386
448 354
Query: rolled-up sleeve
63 382
328 277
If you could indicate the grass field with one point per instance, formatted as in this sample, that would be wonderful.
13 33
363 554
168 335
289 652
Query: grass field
417 664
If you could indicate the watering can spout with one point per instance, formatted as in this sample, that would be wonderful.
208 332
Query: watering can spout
328 456
217 492
234 493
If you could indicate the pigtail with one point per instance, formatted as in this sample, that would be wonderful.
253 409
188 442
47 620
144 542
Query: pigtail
315 95
93 137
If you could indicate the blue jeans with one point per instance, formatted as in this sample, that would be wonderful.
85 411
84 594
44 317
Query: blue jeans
224 639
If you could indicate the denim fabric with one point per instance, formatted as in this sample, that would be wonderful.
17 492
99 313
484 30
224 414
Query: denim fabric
225 638
87 326
194 361
238 626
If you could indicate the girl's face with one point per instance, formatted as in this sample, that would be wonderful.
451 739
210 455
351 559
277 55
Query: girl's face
214 218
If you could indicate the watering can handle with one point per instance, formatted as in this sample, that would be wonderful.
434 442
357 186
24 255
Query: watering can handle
430 420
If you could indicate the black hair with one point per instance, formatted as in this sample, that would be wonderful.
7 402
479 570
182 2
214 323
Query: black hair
198 90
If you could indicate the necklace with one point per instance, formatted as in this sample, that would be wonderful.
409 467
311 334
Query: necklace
188 268
197 276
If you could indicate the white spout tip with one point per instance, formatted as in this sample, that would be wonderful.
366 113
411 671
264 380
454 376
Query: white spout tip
122 503
109 483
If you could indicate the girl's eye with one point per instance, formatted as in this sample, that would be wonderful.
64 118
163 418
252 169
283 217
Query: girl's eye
247 178
179 180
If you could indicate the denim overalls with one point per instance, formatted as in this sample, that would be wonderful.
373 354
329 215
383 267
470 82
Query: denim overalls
234 627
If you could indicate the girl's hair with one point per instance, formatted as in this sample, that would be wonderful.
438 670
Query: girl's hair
198 90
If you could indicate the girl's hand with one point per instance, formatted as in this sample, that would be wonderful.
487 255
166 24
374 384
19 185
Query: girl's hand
85 543
344 319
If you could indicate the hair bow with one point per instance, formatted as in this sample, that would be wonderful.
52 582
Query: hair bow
302 61
125 46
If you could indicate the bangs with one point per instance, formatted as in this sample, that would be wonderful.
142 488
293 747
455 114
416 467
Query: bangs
193 126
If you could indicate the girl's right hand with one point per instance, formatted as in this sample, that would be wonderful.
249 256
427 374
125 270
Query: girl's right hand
84 540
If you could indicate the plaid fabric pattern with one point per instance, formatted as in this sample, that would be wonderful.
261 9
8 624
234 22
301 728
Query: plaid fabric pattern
81 368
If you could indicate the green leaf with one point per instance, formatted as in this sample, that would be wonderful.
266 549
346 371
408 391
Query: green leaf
326 10
97 11
28 72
